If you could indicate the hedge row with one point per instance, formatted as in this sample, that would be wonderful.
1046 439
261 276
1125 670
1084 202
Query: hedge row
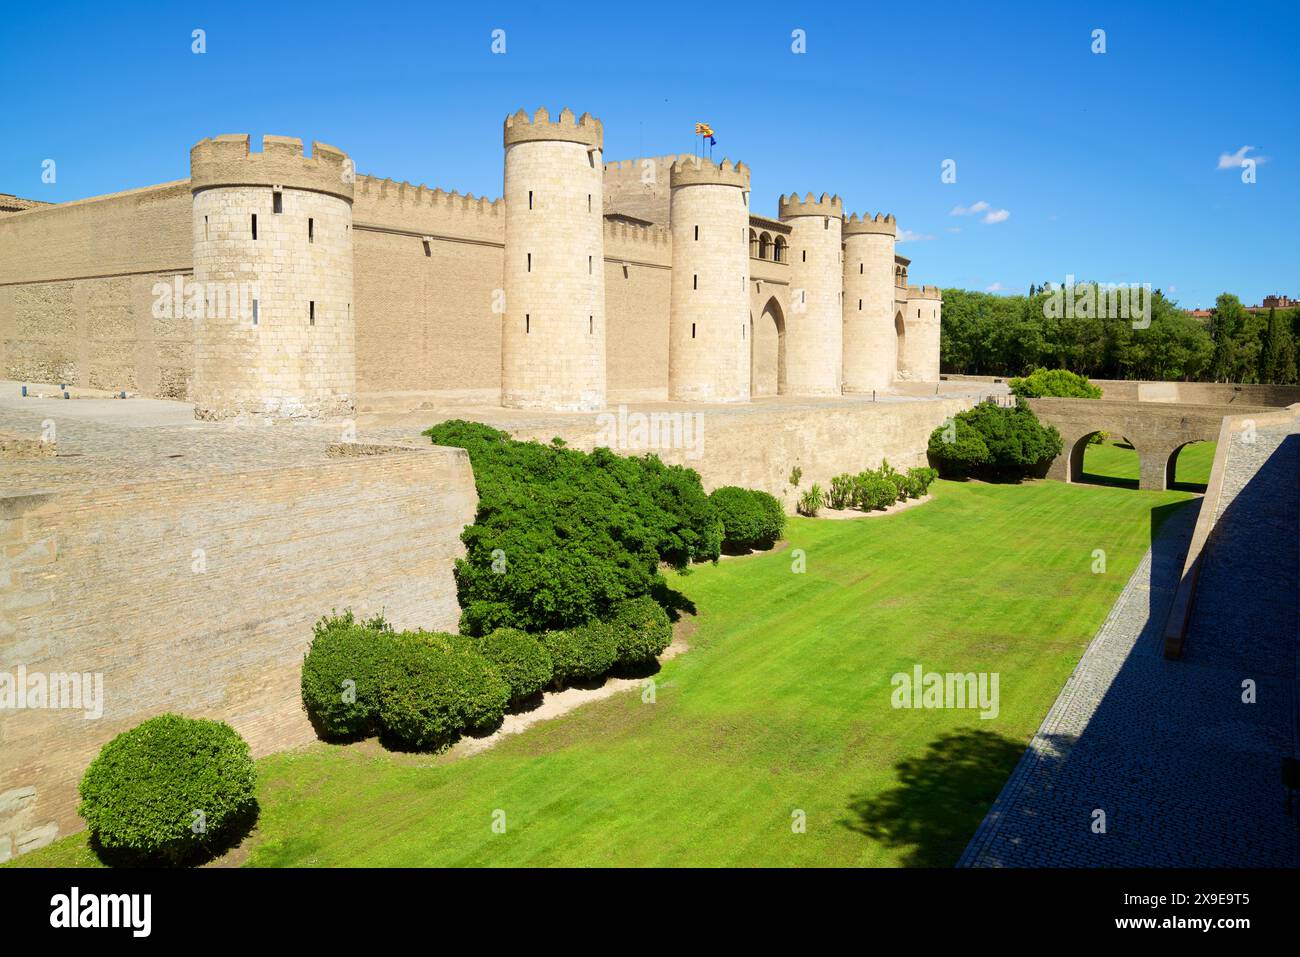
423 689
879 488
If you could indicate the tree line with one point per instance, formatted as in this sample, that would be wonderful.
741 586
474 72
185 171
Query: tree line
1072 328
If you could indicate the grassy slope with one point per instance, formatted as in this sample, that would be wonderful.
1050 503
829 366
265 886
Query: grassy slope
783 703
1108 462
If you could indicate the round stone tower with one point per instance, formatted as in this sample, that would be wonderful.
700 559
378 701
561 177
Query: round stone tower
870 342
815 331
919 359
273 258
553 339
708 328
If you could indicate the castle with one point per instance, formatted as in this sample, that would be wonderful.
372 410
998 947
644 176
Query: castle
587 283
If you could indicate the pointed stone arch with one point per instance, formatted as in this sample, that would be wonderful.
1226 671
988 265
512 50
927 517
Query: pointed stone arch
767 350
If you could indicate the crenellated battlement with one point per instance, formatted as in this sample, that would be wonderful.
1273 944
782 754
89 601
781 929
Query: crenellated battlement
630 233
882 225
228 160
409 194
924 292
634 168
697 171
790 206
586 129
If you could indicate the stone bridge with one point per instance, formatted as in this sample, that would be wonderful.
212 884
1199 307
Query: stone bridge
1156 430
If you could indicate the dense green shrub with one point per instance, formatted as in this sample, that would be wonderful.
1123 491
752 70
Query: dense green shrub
341 674
772 522
994 442
435 686
811 501
169 789
641 630
840 495
750 518
521 660
740 514
582 653
895 478
922 476
561 536
872 490
1054 382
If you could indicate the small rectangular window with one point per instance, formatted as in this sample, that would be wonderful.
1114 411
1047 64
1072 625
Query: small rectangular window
530 199
805 255
697 232
205 227
530 262
588 202
861 266
311 313
311 230
591 325
742 331
255 225
695 280
528 323
277 202
255 312
692 330
859 305
590 266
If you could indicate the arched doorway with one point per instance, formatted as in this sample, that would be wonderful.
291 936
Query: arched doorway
900 343
1103 458
1189 466
767 351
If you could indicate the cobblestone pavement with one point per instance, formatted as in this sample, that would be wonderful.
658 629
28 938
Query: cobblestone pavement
1185 771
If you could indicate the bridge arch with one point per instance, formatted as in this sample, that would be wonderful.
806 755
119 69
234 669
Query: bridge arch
1156 430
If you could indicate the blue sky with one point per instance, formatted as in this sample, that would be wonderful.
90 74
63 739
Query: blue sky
1105 164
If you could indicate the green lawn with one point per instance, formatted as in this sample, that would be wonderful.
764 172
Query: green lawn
1114 463
782 705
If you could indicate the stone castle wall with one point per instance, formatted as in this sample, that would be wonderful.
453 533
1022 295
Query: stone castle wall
78 283
76 292
197 595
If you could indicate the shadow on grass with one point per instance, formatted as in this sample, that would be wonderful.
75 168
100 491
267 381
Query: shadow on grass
673 601
941 797
1092 478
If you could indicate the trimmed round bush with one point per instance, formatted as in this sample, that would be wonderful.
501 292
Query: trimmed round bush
741 516
520 659
437 685
583 653
341 675
642 631
150 789
772 517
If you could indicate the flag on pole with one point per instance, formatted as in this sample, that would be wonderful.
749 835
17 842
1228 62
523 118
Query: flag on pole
703 129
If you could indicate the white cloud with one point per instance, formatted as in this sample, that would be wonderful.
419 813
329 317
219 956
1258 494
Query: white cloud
1173 288
995 287
954 229
991 215
1234 160
907 236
